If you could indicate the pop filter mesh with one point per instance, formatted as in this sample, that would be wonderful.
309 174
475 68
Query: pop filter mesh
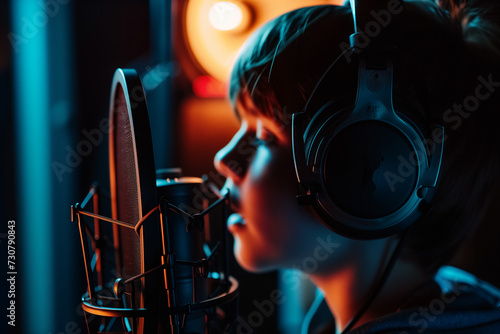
127 195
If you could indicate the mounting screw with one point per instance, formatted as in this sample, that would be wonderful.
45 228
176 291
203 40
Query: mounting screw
118 288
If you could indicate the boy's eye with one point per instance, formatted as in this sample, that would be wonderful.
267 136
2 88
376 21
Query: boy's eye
258 141
263 135
263 138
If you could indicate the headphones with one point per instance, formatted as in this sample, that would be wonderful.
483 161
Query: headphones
367 169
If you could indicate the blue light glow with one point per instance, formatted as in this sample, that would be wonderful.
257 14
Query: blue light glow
29 44
214 275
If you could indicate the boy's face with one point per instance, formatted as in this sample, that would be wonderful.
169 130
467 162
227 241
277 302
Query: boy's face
270 230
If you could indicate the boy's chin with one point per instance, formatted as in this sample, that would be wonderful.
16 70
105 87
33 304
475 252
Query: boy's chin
252 262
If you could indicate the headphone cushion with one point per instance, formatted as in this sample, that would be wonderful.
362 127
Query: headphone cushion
364 170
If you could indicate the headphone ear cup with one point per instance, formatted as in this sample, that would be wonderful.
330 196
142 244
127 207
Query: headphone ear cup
340 108
362 171
365 167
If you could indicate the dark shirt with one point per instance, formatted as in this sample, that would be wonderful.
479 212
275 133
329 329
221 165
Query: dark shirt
465 305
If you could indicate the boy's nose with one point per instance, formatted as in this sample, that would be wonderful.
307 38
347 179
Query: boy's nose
233 159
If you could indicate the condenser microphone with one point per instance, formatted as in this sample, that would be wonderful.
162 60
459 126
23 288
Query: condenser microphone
162 267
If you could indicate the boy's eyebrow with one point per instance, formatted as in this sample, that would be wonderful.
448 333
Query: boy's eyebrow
237 113
243 101
239 103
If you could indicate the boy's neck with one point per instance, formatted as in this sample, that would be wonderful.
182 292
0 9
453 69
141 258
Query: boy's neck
346 291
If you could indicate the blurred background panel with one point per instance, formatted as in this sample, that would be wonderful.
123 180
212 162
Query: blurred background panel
61 56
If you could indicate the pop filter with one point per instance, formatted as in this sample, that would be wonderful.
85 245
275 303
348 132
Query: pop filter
133 186
170 270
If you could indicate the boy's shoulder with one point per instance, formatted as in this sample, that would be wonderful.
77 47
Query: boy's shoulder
465 305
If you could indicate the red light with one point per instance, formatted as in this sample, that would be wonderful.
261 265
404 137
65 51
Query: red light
206 86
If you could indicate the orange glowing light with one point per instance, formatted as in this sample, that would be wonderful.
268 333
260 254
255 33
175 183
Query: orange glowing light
215 30
226 15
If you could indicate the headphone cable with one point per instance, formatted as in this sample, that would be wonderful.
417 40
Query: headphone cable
381 282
